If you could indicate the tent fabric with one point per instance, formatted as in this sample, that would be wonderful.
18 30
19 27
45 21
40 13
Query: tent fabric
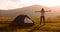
19 21
26 20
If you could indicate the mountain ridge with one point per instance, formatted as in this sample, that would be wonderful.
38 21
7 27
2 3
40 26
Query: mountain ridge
30 11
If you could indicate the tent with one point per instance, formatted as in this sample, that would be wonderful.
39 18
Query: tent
22 20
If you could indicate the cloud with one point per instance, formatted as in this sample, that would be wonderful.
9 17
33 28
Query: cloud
12 4
21 3
15 0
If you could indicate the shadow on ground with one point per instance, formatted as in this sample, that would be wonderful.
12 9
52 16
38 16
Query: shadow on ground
48 27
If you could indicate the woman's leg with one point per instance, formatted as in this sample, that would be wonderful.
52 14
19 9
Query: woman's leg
43 19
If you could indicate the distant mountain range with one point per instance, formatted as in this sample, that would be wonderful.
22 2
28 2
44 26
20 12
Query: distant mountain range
56 11
30 11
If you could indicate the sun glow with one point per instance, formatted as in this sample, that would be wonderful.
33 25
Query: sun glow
49 3
12 4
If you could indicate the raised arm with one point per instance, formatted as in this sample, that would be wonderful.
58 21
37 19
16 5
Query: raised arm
48 11
37 11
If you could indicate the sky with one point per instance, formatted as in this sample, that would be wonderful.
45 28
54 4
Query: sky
13 4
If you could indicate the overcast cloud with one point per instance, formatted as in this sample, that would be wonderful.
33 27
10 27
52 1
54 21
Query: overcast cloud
12 4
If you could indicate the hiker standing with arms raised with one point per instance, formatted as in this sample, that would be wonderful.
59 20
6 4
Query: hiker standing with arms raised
42 17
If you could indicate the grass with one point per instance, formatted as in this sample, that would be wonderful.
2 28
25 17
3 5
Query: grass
52 25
